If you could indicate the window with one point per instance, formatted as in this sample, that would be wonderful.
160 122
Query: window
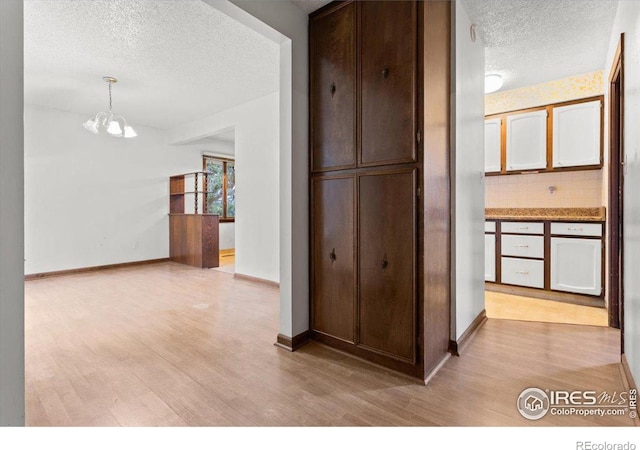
221 187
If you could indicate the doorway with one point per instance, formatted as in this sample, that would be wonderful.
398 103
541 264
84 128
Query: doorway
616 191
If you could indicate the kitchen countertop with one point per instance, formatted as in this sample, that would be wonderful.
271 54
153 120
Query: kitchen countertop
596 214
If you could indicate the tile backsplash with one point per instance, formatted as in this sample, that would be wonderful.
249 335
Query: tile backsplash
572 190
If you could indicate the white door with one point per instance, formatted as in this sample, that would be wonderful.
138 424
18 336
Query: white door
527 141
490 257
576 265
492 145
576 135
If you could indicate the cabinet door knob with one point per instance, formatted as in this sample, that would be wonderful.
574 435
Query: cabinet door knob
385 263
332 255
385 72
333 89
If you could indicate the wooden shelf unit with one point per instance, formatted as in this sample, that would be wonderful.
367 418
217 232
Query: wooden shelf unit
193 237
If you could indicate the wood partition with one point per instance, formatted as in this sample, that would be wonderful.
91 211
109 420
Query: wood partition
193 237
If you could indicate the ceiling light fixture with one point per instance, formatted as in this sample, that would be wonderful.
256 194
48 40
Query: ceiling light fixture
492 83
115 126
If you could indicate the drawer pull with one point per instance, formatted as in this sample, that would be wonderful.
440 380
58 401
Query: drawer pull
332 255
574 229
522 228
385 263
521 246
522 272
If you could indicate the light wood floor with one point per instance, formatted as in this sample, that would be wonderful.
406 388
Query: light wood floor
514 307
169 344
227 264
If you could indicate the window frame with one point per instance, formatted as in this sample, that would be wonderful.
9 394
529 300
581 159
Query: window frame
223 217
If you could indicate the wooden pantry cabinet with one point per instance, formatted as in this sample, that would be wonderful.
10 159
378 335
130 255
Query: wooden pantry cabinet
380 270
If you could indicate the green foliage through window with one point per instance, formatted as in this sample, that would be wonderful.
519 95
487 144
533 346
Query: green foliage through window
221 187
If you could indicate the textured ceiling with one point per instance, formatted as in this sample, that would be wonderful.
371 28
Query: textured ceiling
534 41
177 60
310 5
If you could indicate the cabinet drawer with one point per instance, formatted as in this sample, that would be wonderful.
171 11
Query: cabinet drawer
576 229
523 227
489 227
527 246
523 272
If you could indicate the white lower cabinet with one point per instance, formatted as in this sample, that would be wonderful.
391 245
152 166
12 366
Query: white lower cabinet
523 272
576 265
490 257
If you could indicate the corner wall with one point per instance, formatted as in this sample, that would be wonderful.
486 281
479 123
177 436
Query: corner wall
467 174
257 225
12 215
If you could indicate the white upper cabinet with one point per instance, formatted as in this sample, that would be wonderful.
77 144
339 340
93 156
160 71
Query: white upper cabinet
527 141
576 135
492 145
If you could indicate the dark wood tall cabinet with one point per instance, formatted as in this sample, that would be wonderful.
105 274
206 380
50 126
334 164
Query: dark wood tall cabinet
377 114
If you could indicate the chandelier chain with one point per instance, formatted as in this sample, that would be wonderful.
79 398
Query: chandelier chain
110 107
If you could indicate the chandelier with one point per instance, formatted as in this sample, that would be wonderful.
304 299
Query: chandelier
115 126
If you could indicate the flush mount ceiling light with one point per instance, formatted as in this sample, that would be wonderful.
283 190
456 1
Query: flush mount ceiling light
492 83
114 125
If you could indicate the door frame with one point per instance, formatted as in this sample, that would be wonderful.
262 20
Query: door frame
616 191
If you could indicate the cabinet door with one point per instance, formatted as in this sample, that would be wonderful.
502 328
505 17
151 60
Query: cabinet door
576 265
576 135
492 145
332 48
527 141
388 81
387 256
333 270
490 257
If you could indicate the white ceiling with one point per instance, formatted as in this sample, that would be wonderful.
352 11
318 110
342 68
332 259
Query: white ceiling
176 60
535 41
310 5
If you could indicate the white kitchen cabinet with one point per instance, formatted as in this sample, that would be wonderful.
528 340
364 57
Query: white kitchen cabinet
490 257
576 134
492 145
576 265
525 246
527 141
523 272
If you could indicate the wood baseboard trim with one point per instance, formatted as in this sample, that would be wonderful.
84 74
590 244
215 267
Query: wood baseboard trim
455 347
227 252
294 343
240 276
59 273
628 381
436 369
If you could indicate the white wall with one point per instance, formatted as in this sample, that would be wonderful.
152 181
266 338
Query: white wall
628 22
257 225
94 200
467 176
11 215
286 24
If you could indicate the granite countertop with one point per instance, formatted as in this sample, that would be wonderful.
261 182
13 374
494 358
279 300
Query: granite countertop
596 214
